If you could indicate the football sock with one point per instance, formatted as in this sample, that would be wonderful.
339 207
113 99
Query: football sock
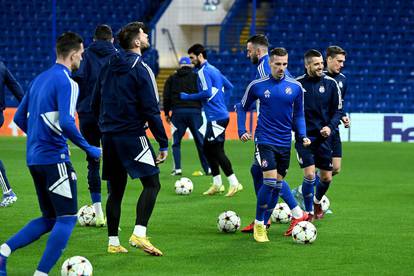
217 180
5 250
4 182
287 196
258 222
30 232
273 200
57 242
113 240
146 201
264 197
257 176
233 180
140 231
39 273
96 197
308 191
321 189
297 212
97 206
3 263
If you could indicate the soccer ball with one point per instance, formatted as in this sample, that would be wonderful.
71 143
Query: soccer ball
325 203
76 266
281 213
304 232
183 186
228 222
87 216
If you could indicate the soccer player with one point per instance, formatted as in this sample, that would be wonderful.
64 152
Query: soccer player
257 51
335 59
47 115
281 110
323 112
184 114
7 79
94 57
212 85
124 99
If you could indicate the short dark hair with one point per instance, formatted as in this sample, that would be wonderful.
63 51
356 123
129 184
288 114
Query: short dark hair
197 49
103 32
259 39
68 42
278 52
311 54
128 33
334 50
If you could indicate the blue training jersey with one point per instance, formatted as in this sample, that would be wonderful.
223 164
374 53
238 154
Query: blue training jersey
281 110
47 115
212 85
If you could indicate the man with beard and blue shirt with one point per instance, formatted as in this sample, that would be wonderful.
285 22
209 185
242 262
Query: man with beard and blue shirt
94 57
281 110
47 115
125 99
323 111
212 86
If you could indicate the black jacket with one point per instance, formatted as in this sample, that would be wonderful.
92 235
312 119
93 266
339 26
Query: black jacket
6 78
184 80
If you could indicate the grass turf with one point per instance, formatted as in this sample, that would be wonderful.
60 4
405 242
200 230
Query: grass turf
370 231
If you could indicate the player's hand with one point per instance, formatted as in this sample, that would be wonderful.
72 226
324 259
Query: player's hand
183 96
325 131
306 142
246 137
346 121
161 157
168 119
95 153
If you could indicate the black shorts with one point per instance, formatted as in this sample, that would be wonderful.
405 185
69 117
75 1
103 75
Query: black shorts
336 144
319 153
216 131
56 189
271 157
125 152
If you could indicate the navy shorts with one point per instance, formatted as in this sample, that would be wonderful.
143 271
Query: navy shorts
125 152
336 144
271 157
319 153
216 131
56 189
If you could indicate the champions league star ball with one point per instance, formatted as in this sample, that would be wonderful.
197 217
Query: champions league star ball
228 222
304 232
281 213
183 186
76 266
325 203
87 216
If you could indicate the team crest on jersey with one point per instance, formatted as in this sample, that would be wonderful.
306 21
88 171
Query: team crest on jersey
264 163
267 94
341 85
322 89
288 90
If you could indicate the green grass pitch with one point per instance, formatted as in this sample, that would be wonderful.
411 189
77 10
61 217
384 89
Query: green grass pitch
371 231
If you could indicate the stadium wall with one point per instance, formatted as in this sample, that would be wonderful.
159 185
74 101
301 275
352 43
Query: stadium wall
365 127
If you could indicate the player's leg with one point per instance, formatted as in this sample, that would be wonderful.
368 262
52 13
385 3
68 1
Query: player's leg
178 127
336 153
90 130
9 197
194 124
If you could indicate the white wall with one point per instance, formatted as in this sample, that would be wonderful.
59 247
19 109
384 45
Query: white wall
185 20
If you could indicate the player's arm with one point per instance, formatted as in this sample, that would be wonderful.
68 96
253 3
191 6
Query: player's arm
13 85
96 94
336 106
345 119
226 83
67 96
206 88
241 108
167 98
299 118
20 117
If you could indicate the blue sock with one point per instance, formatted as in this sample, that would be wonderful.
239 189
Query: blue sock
96 197
264 196
321 189
56 243
257 175
273 200
30 232
4 182
287 196
3 262
308 191
317 178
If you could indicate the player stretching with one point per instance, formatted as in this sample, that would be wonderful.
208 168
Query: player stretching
212 85
47 116
281 110
323 106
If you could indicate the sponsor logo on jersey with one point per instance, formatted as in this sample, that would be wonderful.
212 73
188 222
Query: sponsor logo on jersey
288 90
267 94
